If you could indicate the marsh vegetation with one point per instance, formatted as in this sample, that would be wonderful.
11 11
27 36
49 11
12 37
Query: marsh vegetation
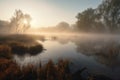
87 48
32 58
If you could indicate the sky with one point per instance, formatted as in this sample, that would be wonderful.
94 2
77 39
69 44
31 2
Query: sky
46 12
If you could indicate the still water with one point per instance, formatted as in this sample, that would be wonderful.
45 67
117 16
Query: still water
99 54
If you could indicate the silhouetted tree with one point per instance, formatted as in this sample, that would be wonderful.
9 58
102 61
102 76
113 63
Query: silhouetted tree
110 13
88 20
20 21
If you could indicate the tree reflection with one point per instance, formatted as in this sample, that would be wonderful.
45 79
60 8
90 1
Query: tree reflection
104 53
104 50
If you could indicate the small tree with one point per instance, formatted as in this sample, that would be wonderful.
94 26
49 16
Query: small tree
20 22
63 26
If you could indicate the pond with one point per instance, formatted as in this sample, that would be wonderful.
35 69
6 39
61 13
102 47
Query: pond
99 54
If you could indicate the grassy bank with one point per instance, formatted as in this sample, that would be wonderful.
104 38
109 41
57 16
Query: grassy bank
18 44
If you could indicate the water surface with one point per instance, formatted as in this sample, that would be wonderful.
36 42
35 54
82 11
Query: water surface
99 54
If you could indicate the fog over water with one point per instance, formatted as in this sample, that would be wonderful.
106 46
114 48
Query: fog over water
99 53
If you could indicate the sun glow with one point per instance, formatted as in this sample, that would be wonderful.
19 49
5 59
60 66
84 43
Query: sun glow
25 21
33 23
38 12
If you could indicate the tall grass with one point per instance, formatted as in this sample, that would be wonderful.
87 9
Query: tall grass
9 70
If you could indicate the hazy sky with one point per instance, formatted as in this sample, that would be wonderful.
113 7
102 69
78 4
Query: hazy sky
46 12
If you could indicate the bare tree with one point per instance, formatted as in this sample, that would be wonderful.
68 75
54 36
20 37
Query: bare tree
20 22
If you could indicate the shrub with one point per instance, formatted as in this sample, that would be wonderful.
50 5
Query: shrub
35 49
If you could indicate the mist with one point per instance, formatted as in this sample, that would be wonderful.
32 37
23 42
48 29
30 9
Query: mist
87 48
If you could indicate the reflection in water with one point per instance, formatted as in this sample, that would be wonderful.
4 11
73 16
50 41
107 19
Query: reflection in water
99 54
27 59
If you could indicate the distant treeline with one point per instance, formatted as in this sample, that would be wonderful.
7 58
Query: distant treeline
105 18
4 26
